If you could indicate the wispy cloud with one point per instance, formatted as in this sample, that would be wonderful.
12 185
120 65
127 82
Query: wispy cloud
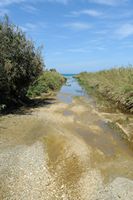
104 2
9 2
86 49
127 45
58 1
61 36
90 12
30 9
77 50
78 26
109 2
124 31
102 32
30 27
4 3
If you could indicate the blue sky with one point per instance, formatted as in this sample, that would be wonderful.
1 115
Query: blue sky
77 35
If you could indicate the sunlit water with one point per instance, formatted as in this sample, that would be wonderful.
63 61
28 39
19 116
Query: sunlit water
70 89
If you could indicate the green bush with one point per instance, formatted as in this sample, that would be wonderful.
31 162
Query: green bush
47 82
20 63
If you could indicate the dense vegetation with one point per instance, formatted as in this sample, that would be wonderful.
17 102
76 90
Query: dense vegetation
20 63
47 82
22 73
115 85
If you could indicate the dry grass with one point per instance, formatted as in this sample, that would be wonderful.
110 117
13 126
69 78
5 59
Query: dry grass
115 84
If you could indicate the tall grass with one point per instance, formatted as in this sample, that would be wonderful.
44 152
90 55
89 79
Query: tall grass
115 84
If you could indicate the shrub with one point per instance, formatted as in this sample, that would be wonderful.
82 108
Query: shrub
47 82
20 63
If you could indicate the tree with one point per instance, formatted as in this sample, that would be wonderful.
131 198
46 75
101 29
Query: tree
20 63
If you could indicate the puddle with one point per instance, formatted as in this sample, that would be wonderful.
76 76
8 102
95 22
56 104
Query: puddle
65 98
67 113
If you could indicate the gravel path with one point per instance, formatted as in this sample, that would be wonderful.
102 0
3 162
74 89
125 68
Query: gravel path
42 158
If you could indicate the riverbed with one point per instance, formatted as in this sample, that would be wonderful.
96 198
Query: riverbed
64 150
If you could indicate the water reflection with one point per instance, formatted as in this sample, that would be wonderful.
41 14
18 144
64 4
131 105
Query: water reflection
70 89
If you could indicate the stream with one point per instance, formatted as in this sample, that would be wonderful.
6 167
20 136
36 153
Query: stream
64 150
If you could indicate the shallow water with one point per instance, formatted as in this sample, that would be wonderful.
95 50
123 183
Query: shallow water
70 90
66 143
108 144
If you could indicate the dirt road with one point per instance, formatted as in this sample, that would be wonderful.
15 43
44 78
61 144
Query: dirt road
63 151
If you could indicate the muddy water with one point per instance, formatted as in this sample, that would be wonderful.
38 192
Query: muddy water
111 153
64 150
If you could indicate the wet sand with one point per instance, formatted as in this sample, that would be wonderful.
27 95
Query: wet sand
63 151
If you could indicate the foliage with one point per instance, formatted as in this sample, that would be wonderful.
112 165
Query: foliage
20 63
115 84
47 82
52 70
